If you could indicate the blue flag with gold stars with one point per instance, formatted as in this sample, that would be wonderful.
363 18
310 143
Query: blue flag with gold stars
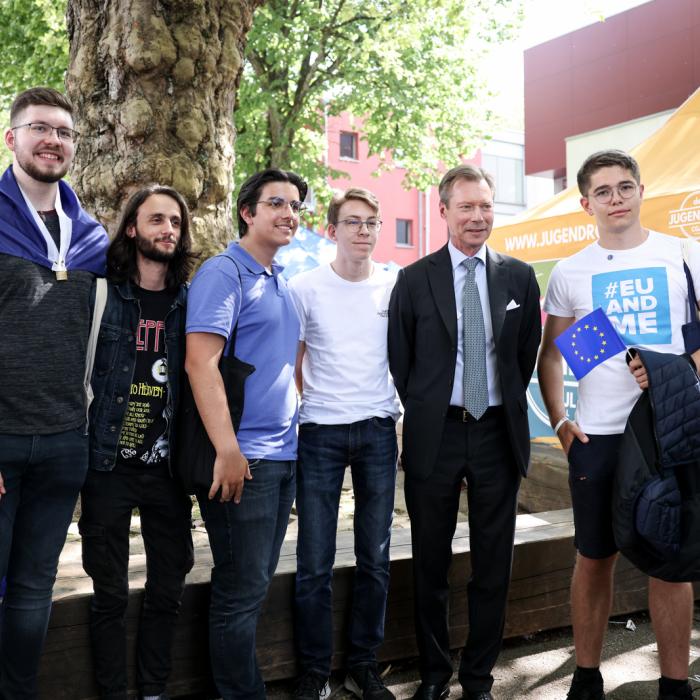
588 342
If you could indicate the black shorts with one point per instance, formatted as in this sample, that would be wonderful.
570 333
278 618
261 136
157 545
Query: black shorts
592 467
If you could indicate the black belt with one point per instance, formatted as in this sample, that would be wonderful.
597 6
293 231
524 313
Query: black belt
463 416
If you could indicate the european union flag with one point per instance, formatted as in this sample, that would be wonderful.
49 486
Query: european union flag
589 342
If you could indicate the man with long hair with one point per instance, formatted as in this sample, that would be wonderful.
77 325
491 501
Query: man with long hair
50 252
138 364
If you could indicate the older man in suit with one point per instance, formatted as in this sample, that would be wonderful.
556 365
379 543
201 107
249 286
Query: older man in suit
464 327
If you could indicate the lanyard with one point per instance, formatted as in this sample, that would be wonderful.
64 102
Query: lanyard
57 257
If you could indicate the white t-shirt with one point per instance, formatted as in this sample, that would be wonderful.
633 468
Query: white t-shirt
346 365
643 291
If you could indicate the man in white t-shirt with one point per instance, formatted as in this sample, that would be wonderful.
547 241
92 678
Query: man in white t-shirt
636 276
347 417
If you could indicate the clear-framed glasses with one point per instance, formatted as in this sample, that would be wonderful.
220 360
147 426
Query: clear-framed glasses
40 130
280 203
604 195
355 225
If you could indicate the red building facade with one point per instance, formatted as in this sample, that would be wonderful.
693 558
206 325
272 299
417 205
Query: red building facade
411 223
634 64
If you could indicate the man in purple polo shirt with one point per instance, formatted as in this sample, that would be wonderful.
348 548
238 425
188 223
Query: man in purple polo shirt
240 297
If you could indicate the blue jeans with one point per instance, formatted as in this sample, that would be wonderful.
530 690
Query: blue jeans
43 475
369 448
245 541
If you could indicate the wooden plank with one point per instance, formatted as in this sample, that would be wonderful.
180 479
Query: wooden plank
547 483
539 599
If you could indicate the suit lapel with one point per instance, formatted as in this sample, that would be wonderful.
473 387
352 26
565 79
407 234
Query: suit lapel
442 286
497 281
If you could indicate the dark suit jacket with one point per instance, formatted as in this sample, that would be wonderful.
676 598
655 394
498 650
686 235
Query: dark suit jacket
423 350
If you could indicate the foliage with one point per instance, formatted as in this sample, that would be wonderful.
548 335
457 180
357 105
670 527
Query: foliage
34 46
35 51
409 70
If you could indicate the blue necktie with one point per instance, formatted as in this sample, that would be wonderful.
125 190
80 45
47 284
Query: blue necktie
475 385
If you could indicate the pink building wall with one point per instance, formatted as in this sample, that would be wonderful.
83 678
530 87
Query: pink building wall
428 230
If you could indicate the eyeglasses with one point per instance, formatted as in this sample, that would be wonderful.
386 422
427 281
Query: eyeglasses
280 203
604 195
41 131
355 225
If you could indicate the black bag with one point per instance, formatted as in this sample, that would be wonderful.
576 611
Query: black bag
194 454
691 331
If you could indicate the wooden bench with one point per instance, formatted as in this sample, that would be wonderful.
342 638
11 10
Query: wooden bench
539 595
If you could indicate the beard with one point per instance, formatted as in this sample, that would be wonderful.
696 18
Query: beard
150 251
37 173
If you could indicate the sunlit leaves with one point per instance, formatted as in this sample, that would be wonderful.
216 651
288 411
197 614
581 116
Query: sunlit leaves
410 69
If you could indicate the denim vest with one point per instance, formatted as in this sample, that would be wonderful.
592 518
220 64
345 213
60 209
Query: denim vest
115 362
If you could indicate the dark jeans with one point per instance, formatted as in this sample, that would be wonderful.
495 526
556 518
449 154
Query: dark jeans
481 452
369 448
43 475
592 467
245 540
107 500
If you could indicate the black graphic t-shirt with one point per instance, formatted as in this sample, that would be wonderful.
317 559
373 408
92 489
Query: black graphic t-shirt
143 442
53 225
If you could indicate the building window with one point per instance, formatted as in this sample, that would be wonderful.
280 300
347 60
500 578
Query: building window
348 145
509 176
403 232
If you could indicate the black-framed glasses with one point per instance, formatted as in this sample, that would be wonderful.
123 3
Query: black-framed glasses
604 195
41 131
280 203
355 225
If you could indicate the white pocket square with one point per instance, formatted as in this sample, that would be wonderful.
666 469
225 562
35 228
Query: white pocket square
512 304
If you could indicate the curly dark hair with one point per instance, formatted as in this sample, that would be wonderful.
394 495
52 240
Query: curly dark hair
121 255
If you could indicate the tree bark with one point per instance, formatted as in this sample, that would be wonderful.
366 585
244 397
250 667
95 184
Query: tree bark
154 84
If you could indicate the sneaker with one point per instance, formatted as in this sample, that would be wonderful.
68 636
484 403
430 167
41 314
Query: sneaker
685 693
588 690
312 686
365 682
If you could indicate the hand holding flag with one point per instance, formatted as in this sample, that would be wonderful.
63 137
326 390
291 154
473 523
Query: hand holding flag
589 342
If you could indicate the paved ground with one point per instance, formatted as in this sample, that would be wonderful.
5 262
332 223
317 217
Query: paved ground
539 667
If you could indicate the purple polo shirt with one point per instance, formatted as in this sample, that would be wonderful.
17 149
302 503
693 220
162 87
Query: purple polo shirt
267 337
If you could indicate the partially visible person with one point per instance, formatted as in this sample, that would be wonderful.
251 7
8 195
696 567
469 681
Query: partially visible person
636 276
136 382
50 252
239 303
347 418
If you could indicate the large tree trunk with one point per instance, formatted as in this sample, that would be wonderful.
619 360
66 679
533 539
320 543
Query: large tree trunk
154 84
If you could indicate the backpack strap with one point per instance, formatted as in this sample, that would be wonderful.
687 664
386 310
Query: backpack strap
98 311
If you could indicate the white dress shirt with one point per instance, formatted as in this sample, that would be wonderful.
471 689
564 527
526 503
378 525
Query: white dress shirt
459 275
